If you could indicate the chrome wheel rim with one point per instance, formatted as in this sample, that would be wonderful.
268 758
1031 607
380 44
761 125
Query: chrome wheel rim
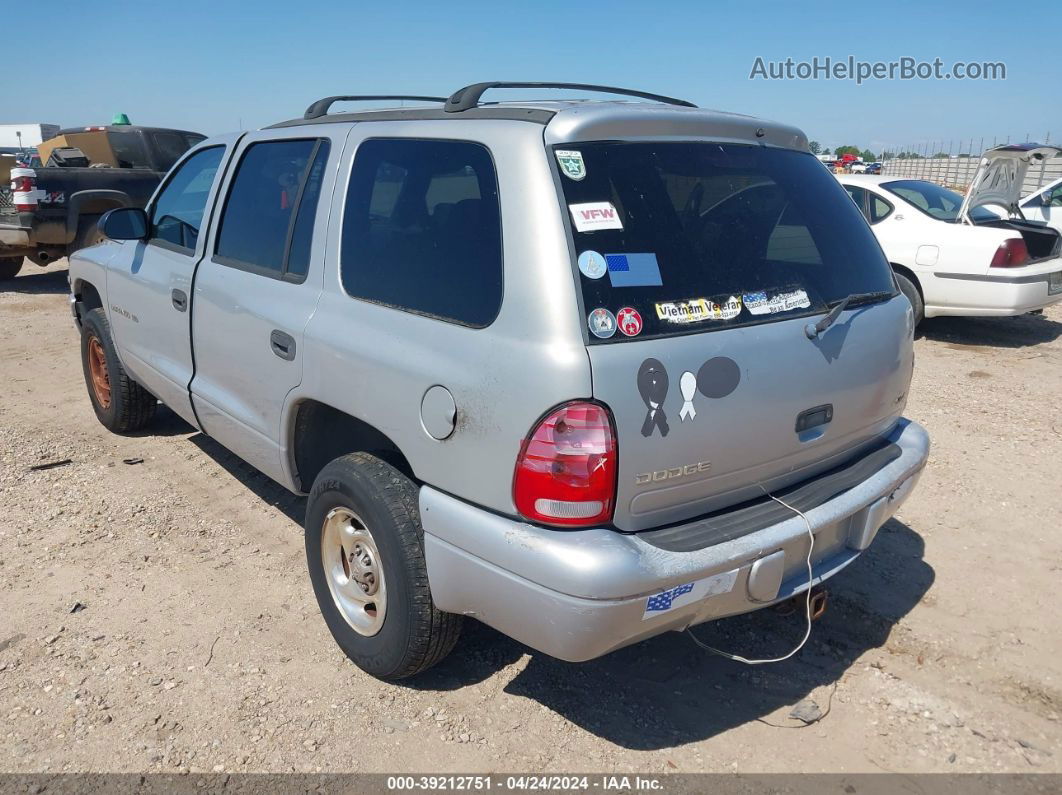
352 569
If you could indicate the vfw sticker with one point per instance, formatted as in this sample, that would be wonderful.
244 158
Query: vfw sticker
592 216
571 163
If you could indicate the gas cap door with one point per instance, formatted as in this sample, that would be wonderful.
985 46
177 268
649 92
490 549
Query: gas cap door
438 412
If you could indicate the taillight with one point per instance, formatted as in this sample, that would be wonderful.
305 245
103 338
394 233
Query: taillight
566 471
24 189
1011 253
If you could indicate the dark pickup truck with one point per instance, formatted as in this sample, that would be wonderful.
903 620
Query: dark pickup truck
49 212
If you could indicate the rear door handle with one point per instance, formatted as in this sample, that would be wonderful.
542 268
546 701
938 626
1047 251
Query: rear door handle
283 345
180 300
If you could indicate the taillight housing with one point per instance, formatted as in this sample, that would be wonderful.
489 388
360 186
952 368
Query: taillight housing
1011 253
24 189
566 470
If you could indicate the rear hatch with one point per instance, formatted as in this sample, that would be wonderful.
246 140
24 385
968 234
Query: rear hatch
700 265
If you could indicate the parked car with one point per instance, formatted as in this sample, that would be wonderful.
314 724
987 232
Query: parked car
857 167
51 211
872 168
585 371
1044 205
955 256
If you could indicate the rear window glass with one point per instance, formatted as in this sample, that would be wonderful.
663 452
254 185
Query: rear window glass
422 229
674 238
935 201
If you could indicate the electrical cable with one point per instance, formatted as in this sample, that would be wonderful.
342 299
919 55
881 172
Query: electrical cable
807 632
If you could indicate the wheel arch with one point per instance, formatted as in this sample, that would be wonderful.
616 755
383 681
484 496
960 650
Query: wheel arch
320 433
86 298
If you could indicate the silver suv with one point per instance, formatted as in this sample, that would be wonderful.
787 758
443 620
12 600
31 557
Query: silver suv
586 371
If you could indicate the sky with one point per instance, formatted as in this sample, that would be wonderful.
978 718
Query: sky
218 66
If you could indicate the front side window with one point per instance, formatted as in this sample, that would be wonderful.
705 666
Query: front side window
691 237
178 211
422 229
267 222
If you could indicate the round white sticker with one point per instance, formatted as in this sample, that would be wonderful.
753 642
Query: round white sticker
592 265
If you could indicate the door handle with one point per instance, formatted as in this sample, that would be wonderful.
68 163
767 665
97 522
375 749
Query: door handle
283 345
180 300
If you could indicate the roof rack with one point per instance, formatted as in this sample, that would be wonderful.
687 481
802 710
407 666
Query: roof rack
469 96
321 106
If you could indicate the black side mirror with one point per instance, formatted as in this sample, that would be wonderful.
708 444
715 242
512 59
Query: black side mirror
124 223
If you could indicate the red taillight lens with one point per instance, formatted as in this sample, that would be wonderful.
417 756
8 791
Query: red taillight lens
24 190
566 471
1011 253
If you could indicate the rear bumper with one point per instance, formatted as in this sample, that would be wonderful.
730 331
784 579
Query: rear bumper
579 594
997 294
14 237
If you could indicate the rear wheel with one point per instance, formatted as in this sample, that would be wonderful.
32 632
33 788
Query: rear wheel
9 267
910 291
120 403
365 554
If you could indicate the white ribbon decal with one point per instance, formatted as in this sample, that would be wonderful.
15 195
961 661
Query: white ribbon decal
688 387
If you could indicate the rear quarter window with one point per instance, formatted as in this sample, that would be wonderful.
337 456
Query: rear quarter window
422 229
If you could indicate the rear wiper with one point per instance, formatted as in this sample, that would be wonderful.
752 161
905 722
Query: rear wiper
812 330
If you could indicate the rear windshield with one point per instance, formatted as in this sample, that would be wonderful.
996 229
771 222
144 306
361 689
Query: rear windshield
674 238
935 201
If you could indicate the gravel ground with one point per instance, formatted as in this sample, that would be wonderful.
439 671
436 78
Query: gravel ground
155 613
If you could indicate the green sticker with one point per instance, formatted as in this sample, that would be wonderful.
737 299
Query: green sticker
571 163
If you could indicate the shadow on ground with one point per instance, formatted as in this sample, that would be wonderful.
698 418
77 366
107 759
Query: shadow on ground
32 281
666 692
1004 332
265 488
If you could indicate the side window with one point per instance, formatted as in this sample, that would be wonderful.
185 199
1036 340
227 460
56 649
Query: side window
1053 198
178 211
879 208
271 207
859 197
422 229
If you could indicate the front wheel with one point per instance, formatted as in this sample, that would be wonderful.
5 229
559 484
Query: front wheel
9 267
120 403
365 554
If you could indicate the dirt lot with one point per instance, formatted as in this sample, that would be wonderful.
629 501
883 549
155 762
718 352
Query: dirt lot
198 645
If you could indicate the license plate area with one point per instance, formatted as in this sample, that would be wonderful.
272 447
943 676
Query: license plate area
1054 283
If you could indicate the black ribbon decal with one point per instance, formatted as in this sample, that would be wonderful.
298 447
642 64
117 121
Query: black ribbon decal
652 386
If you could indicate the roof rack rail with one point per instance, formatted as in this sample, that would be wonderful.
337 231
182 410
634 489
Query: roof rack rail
321 106
469 96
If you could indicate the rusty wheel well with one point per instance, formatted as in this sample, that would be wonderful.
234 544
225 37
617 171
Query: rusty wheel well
323 433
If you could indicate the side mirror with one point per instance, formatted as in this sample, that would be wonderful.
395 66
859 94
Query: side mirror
124 223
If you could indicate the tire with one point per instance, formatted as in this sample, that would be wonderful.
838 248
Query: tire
88 233
9 267
910 291
404 633
123 405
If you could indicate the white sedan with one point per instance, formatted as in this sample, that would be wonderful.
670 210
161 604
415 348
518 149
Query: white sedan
952 255
1044 205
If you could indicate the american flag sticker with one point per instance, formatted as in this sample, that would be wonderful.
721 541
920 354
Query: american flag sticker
691 592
